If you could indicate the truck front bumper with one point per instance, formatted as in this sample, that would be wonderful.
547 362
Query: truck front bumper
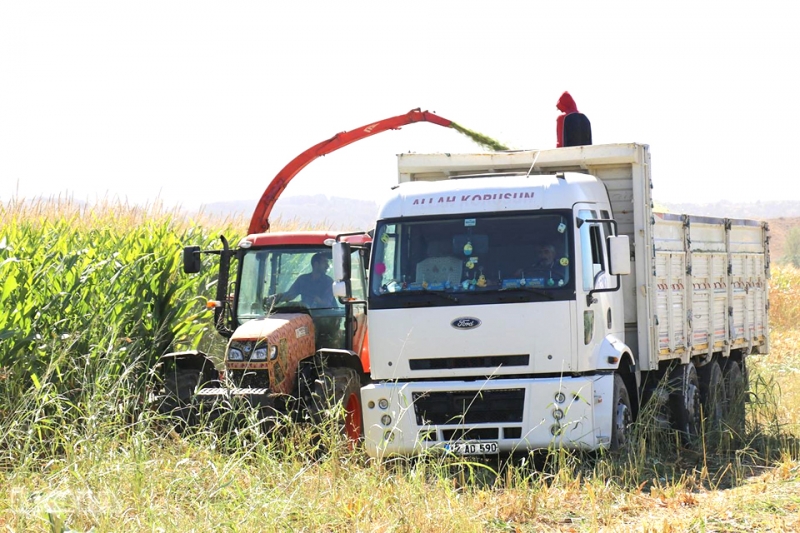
506 415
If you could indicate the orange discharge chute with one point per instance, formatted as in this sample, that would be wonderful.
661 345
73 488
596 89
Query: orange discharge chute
259 223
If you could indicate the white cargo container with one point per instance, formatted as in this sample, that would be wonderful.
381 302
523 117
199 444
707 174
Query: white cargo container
471 353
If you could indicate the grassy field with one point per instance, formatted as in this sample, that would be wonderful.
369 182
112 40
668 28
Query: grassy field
88 298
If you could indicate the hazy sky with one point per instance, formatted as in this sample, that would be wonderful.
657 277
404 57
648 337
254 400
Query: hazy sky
195 102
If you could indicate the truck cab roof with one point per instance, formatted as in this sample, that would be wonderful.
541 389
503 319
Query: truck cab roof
489 194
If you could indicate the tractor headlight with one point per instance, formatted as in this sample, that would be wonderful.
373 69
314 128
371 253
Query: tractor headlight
240 350
260 354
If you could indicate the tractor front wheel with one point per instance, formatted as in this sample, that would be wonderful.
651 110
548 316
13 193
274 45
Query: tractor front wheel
338 388
180 385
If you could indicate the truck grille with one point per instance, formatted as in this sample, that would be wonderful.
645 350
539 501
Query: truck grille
489 361
469 407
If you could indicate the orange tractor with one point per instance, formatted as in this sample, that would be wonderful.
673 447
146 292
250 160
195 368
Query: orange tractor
292 347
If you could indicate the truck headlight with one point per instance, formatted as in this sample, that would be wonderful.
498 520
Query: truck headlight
260 354
235 354
273 352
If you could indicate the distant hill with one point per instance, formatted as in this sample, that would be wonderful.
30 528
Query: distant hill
724 208
312 212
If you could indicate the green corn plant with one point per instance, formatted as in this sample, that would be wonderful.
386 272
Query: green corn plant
67 280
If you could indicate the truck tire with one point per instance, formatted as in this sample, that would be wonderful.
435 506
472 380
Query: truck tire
623 415
712 395
338 386
684 403
735 398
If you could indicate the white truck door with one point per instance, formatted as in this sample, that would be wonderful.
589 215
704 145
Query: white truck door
601 315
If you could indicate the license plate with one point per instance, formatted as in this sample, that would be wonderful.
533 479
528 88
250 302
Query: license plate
471 448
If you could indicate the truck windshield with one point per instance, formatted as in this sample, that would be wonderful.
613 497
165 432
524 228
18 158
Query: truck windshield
285 278
474 254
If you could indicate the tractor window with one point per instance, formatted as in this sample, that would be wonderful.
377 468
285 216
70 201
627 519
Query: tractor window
271 279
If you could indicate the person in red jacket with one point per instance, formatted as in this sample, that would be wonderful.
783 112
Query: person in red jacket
572 127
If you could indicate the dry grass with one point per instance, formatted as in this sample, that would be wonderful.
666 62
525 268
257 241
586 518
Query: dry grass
783 363
106 213
111 212
103 470
186 486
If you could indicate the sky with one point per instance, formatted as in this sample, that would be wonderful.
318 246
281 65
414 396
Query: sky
193 102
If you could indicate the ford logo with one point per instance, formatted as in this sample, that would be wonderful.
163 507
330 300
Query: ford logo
465 322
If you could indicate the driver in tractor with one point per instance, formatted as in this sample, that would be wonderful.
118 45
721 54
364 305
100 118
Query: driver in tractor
314 288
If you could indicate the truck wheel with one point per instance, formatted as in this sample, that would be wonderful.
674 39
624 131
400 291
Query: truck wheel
335 387
712 395
623 415
736 393
684 402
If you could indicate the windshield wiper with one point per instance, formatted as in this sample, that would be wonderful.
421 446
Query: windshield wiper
533 290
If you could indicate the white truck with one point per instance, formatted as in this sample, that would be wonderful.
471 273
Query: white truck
520 300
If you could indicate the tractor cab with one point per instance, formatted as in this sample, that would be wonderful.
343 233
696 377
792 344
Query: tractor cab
279 280
272 274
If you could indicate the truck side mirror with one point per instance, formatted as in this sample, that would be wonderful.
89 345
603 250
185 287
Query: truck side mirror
341 270
191 260
619 253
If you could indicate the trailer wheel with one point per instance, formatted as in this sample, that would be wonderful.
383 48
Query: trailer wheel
684 402
623 415
712 394
736 394
338 386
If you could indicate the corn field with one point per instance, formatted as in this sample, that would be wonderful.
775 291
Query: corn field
96 284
